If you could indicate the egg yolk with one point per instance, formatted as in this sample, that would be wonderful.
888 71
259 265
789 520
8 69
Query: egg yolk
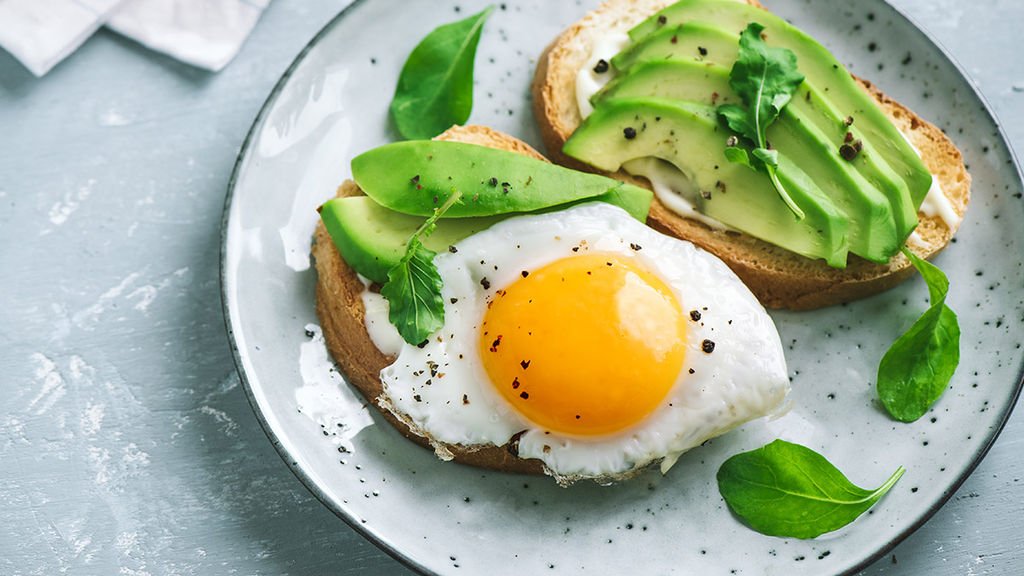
587 345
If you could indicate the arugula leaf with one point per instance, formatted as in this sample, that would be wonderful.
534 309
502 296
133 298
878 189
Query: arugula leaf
413 289
435 88
738 155
765 79
915 371
789 490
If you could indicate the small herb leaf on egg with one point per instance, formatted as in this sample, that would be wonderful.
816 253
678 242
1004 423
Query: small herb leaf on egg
916 370
435 87
788 490
413 289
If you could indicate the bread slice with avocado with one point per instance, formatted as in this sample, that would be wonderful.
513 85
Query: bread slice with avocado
882 196
342 315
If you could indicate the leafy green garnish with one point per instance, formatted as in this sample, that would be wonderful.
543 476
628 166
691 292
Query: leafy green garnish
789 490
917 368
765 79
435 88
413 289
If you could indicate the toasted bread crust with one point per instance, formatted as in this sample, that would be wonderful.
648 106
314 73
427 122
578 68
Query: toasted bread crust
780 279
339 305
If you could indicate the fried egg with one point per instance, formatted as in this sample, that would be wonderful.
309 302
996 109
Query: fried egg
586 340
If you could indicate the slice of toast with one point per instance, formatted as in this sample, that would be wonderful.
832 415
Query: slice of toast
339 306
780 279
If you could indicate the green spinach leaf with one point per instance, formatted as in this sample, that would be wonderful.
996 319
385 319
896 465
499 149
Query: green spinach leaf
435 88
916 370
765 79
413 289
789 490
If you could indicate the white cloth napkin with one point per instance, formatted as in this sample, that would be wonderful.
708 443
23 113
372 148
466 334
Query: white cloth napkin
204 33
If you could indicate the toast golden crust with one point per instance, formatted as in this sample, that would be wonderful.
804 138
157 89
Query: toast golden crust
780 279
339 306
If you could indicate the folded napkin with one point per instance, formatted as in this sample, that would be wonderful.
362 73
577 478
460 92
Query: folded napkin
204 33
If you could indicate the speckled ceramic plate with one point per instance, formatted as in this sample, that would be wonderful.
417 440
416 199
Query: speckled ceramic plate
446 518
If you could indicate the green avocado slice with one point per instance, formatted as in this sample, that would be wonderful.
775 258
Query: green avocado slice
415 177
872 231
823 72
689 136
695 41
688 80
715 46
372 238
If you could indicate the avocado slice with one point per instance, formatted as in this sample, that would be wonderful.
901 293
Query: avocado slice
689 136
823 72
372 238
695 41
872 231
415 177
688 80
809 101
812 105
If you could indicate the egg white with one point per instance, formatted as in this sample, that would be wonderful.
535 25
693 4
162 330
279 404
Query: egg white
443 392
